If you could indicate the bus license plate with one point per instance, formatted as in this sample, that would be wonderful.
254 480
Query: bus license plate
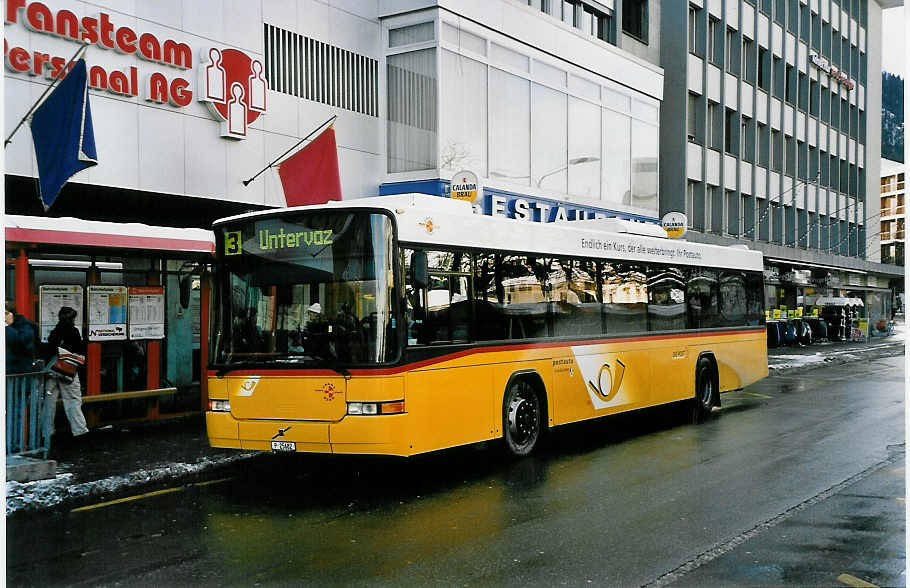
284 446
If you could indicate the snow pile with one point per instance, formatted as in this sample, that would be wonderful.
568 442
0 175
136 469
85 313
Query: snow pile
48 493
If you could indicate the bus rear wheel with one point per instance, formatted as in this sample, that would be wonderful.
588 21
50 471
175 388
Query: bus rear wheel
705 390
520 417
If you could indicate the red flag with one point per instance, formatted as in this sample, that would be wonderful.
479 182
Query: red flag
310 176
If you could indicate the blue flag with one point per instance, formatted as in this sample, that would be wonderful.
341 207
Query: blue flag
63 135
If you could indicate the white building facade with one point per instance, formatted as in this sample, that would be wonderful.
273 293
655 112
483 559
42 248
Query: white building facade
536 99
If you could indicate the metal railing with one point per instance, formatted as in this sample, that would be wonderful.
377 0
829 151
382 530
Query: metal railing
26 402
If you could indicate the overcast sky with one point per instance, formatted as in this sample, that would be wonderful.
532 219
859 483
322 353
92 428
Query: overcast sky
894 33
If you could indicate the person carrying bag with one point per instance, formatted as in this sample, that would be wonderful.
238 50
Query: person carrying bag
66 351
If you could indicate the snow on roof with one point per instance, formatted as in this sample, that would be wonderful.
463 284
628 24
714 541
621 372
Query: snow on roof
75 231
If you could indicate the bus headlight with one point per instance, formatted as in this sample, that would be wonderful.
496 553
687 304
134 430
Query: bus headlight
220 405
374 408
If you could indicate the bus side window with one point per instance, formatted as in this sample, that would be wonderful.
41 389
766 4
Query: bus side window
414 300
666 298
625 297
702 298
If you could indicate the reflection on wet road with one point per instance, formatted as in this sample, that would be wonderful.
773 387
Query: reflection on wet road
620 501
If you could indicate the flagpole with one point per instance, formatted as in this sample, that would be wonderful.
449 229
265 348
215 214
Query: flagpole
332 119
46 92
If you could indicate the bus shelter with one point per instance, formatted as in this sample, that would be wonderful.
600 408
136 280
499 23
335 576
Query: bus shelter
142 297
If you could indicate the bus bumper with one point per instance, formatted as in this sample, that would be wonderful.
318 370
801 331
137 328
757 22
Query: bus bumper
371 435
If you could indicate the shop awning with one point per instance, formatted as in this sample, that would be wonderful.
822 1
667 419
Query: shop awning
84 233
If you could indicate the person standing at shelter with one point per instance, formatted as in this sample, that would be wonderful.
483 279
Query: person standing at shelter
21 334
66 336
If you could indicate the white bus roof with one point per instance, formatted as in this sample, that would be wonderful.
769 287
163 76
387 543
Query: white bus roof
437 221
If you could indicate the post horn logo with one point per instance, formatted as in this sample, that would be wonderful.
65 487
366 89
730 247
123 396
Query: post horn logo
614 382
234 87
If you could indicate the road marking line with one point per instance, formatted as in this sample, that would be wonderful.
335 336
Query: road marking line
147 495
854 581
757 394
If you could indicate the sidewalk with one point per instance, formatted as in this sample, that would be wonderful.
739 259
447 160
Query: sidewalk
113 461
827 352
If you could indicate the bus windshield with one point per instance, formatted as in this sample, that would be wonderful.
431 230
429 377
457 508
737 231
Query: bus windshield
306 288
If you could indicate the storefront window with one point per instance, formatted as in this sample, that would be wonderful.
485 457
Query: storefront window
548 138
412 111
510 114
464 121
584 149
616 164
644 165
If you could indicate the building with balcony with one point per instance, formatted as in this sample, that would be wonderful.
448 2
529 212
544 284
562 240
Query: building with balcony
892 212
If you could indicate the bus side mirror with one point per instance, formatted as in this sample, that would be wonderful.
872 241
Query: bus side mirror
419 270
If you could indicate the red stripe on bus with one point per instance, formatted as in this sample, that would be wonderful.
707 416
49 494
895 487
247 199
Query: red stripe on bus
491 349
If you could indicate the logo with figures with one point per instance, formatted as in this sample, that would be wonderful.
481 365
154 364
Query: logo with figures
328 391
234 87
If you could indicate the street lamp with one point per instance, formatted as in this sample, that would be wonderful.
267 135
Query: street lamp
573 161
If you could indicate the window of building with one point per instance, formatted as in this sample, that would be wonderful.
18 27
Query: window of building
690 204
748 60
712 133
780 11
569 12
777 155
693 37
816 26
730 127
764 146
635 19
779 77
709 205
790 152
714 41
691 116
745 140
792 11
510 111
764 69
804 23
732 49
803 88
813 97
412 120
790 84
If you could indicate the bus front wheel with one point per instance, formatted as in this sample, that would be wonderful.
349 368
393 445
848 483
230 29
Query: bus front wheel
520 417
705 390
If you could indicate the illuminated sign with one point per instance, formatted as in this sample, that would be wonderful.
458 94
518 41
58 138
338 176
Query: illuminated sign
837 75
292 239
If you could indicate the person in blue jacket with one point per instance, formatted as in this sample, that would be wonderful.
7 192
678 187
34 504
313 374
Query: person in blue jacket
21 335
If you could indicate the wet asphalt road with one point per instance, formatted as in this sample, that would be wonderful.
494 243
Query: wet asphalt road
797 480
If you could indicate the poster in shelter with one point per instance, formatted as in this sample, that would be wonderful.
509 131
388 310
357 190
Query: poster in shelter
106 313
51 299
146 312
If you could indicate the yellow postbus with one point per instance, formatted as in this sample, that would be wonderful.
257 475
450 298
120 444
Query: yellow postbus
404 324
